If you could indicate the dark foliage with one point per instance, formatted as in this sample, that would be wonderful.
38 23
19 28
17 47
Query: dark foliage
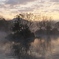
22 38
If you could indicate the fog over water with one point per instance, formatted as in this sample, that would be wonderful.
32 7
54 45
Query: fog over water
44 47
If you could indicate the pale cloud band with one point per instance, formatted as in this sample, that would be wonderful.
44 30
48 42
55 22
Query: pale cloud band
15 2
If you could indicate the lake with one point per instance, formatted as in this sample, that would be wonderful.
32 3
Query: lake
43 47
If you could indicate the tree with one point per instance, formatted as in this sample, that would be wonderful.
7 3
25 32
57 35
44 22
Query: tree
22 37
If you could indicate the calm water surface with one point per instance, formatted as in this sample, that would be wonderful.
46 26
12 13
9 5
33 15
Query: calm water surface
43 47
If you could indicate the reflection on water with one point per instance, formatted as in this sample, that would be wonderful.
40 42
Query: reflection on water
46 47
43 47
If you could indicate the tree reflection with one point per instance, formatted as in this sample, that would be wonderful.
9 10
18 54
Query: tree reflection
43 46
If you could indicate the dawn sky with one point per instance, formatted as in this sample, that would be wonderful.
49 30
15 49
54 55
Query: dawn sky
9 8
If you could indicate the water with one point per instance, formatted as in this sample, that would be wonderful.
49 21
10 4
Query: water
43 47
46 47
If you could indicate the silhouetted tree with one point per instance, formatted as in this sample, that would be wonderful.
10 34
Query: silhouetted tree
22 37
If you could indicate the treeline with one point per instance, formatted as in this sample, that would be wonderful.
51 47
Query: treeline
5 25
48 27
38 27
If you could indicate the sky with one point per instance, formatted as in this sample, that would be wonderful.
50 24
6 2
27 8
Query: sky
10 8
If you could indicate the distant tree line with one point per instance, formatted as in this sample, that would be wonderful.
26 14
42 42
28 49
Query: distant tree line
42 27
48 27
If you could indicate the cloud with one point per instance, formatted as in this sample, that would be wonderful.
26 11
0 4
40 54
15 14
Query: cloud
39 6
15 2
27 9
1 5
54 0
